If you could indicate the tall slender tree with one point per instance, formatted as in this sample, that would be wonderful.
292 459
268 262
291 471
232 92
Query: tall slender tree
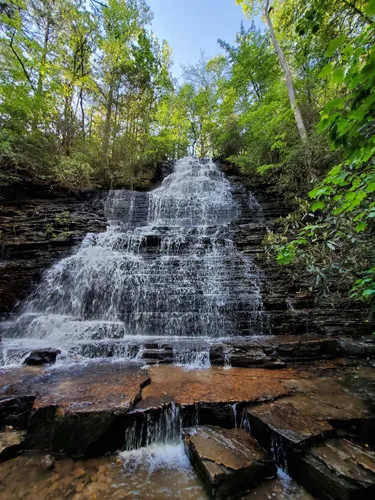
248 6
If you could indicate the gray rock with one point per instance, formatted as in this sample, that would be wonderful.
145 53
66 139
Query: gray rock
42 357
337 469
47 462
229 461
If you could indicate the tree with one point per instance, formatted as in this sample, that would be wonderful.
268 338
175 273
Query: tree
248 6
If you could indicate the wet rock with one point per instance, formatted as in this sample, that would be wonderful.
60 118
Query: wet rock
301 420
229 461
303 347
15 411
63 467
363 347
27 247
80 411
42 357
337 469
216 385
283 488
274 352
10 443
286 422
47 462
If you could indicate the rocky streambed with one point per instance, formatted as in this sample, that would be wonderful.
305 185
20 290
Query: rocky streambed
313 422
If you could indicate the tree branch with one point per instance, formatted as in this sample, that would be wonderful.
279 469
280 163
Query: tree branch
20 61
99 3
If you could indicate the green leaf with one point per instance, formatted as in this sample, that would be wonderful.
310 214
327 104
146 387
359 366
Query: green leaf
327 70
338 75
370 8
334 104
318 205
331 245
361 226
285 258
334 45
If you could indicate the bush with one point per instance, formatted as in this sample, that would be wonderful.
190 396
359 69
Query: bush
73 172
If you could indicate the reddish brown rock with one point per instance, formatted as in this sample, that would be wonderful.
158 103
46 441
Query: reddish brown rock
216 385
212 397
229 461
77 408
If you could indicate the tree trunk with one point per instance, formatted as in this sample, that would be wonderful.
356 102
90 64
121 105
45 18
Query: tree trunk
288 75
82 112
107 127
39 88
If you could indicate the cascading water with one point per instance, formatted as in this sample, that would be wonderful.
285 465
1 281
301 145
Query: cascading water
165 271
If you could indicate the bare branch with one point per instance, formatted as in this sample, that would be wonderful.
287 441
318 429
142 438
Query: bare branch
20 61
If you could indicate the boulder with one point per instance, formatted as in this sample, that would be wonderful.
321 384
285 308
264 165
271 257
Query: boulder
229 461
15 410
45 356
47 462
80 411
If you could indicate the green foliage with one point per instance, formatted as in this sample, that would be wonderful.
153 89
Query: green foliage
59 226
343 203
81 89
73 172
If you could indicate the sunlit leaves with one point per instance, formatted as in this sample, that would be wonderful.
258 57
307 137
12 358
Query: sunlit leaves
334 45
343 202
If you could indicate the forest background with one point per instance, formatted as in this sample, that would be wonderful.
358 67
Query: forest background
88 100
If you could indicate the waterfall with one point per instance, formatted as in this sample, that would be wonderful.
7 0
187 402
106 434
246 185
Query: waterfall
165 270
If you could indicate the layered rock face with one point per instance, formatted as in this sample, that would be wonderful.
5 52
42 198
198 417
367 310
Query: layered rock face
39 226
291 306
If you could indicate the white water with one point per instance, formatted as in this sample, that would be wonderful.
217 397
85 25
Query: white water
165 269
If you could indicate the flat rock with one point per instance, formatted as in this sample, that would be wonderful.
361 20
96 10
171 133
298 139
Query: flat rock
285 421
274 351
10 443
216 385
300 419
337 469
75 408
229 461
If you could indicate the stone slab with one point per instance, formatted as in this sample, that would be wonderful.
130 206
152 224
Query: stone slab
301 419
338 469
274 351
216 385
75 408
229 461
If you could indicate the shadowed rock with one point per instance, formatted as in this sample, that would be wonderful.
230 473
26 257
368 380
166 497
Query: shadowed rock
337 469
229 462
10 443
299 420
42 357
